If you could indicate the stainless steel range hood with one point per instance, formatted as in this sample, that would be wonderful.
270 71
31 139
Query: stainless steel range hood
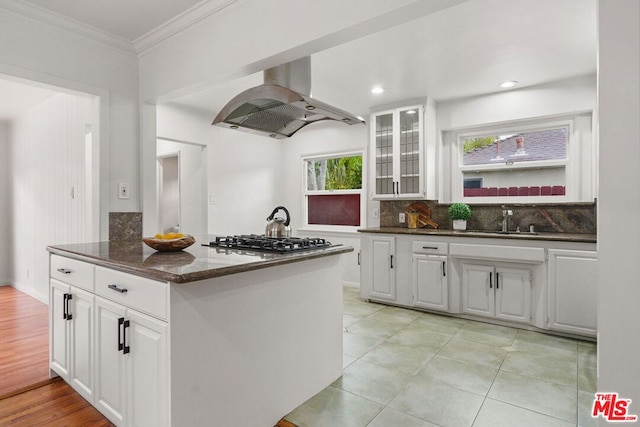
281 106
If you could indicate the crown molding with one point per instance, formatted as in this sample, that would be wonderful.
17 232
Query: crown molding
179 23
41 15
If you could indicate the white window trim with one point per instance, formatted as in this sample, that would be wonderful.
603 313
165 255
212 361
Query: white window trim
362 191
578 162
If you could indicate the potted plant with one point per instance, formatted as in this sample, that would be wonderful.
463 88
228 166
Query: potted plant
459 213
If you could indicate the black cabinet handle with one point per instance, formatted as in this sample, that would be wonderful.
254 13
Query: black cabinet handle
120 343
358 257
391 261
126 349
444 269
490 280
69 315
64 305
64 270
497 280
117 289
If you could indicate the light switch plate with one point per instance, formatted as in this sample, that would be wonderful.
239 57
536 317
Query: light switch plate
401 217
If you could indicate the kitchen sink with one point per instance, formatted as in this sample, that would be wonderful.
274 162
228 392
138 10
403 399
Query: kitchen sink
498 232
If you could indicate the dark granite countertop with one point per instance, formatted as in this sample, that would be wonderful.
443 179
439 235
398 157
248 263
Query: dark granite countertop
197 262
559 237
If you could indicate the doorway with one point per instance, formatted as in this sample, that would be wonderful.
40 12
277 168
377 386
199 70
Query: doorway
169 193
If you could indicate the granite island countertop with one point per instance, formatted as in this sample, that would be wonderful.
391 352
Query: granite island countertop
195 263
560 237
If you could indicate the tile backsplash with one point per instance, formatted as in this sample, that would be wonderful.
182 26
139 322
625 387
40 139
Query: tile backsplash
555 218
125 226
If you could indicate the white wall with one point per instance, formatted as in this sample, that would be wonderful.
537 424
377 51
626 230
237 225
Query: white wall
39 52
192 209
5 203
321 138
552 99
243 170
619 203
48 195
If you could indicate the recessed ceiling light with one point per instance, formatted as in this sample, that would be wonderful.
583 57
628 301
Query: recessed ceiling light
508 84
377 89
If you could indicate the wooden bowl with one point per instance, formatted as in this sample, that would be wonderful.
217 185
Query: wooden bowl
169 245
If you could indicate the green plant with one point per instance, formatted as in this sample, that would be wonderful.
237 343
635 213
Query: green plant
459 211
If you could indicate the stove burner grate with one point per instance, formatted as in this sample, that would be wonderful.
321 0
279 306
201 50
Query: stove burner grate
269 244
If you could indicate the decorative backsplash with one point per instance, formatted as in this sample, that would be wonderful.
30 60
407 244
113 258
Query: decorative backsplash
125 226
554 218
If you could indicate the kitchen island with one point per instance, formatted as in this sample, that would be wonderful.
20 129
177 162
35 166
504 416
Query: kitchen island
205 336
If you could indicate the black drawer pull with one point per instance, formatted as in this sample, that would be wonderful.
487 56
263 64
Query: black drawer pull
435 248
117 289
64 270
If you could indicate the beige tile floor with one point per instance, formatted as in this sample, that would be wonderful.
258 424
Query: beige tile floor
408 368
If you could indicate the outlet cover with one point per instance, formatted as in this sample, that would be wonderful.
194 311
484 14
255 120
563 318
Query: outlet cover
401 217
123 190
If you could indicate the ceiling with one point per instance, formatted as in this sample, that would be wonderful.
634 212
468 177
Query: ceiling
462 51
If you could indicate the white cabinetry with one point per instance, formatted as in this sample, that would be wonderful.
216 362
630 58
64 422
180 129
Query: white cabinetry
381 265
132 366
132 363
112 348
72 336
499 292
398 153
430 283
572 281
71 324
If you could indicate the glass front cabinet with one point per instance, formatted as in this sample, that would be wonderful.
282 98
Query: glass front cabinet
397 153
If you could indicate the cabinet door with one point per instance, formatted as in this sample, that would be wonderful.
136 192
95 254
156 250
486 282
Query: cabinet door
410 170
573 291
477 290
398 160
59 336
81 344
430 285
147 371
110 365
382 263
513 294
383 149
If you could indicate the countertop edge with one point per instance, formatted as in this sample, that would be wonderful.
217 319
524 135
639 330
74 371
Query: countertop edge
159 275
556 237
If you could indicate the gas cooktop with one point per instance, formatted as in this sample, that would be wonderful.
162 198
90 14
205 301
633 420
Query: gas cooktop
280 245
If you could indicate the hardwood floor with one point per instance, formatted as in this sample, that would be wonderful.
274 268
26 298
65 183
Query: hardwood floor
24 338
28 397
53 404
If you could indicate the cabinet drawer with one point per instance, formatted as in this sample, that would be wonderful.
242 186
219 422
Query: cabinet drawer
147 296
72 272
424 247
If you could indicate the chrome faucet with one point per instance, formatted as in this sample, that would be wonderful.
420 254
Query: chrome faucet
506 213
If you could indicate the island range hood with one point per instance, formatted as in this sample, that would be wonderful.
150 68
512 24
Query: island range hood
282 105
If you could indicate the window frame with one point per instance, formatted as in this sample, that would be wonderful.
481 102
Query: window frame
579 159
305 193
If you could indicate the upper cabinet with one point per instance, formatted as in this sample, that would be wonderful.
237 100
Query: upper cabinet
397 153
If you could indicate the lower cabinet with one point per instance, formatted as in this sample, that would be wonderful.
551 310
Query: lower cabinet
430 284
572 290
498 292
131 366
381 263
71 340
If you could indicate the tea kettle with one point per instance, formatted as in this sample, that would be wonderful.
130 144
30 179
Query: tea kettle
278 227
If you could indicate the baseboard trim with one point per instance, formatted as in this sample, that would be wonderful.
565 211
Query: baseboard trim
31 292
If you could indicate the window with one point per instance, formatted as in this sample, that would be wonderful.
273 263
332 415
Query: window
548 160
333 194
